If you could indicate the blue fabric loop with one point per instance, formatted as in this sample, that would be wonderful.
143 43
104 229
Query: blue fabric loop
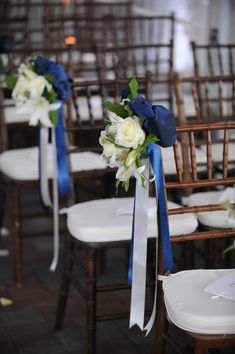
62 158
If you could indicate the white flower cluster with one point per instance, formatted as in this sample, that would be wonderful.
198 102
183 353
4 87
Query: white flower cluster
121 141
28 96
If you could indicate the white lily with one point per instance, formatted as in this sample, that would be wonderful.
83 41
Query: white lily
39 109
21 90
37 86
124 173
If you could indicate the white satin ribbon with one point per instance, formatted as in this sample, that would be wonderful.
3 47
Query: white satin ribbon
138 289
43 154
44 187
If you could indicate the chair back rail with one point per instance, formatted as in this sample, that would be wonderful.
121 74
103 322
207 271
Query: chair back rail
86 113
136 60
213 59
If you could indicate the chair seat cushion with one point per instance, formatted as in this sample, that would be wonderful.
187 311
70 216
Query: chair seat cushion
214 219
194 310
22 164
103 220
11 116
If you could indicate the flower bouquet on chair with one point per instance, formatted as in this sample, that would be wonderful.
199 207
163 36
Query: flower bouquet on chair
38 91
131 141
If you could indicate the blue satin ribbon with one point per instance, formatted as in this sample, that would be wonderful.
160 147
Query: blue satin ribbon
130 270
62 158
154 154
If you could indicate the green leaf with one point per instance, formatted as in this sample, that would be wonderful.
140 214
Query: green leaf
129 111
50 79
133 85
116 108
150 139
54 118
51 95
11 81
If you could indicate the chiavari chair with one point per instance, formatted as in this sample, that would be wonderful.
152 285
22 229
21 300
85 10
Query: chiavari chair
83 165
105 230
202 320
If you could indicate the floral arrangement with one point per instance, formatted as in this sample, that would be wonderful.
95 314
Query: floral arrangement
38 89
133 125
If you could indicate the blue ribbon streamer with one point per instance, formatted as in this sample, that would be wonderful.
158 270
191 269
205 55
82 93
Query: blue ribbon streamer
130 270
62 159
154 154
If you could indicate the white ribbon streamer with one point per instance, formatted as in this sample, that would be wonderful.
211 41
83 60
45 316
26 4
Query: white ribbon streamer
43 155
137 308
44 187
55 207
138 290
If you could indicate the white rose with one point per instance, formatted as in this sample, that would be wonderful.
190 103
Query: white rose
37 86
129 133
21 90
109 150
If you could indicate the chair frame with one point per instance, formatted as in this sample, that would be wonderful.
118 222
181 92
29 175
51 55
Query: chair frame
190 180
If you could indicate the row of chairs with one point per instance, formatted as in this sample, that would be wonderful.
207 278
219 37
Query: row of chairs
204 148
88 22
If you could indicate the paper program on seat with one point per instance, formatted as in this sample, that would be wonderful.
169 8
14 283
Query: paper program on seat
223 287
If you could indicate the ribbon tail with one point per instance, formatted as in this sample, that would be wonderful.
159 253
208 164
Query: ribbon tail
151 321
62 158
154 153
55 208
140 223
43 166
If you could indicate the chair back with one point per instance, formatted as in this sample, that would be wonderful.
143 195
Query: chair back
213 59
188 160
86 113
136 60
205 98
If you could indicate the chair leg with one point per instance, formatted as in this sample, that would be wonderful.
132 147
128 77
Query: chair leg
2 200
91 301
16 233
65 284
161 322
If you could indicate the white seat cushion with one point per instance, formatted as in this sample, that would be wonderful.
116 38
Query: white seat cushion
22 164
192 309
102 220
10 113
214 219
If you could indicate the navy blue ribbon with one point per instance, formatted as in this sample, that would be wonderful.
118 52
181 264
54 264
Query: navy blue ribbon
62 158
130 270
154 154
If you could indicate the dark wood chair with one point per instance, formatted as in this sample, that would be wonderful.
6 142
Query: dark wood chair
137 60
96 226
196 318
213 59
85 164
